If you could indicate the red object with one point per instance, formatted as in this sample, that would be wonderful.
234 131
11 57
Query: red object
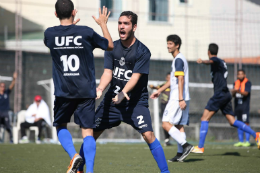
37 98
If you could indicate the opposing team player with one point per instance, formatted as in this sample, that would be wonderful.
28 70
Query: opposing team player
220 100
126 70
176 113
242 94
71 49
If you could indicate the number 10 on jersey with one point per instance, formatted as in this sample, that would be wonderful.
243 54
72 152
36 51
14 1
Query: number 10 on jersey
67 62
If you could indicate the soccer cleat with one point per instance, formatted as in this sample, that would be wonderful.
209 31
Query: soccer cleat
246 144
175 159
75 162
238 144
257 139
198 150
187 148
167 142
24 140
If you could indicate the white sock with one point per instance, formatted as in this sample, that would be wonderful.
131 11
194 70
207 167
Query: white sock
24 137
176 134
180 148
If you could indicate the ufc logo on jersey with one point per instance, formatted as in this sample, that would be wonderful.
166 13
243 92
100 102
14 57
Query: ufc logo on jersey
67 40
118 72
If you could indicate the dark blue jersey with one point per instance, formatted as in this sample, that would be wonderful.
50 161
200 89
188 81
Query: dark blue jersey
124 62
242 103
71 49
219 75
4 100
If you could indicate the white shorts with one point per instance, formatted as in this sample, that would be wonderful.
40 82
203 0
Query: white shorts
174 115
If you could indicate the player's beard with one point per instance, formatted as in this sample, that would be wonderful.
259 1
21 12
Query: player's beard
131 32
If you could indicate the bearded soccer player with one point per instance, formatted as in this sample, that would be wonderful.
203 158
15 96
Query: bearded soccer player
71 48
176 113
126 70
242 94
220 100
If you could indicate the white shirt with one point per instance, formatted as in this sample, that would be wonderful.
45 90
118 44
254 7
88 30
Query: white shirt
183 71
42 111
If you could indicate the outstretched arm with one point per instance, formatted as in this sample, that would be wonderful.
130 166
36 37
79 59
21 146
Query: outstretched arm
157 93
104 81
11 86
207 62
102 22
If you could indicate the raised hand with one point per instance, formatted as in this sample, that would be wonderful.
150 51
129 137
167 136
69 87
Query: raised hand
103 16
14 75
77 20
120 97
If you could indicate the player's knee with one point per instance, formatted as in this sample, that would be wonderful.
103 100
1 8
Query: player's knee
148 137
61 126
87 132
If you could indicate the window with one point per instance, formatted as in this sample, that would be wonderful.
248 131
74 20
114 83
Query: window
158 10
184 1
115 6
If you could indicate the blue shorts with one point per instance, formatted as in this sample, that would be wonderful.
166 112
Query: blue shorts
108 116
83 110
220 101
242 115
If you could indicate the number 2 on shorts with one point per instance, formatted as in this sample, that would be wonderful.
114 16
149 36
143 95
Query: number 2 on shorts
140 117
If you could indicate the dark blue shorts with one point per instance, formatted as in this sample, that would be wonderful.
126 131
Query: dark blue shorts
83 110
108 116
242 115
221 101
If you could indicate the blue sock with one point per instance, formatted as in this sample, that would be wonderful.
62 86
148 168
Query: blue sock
203 133
240 135
158 154
66 141
244 127
81 153
89 149
247 137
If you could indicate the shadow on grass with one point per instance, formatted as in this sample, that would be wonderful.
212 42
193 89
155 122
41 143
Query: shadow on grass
231 154
193 160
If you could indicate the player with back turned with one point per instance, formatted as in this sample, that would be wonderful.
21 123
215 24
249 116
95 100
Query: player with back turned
220 100
71 48
126 70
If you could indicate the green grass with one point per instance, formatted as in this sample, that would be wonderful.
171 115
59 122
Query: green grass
127 158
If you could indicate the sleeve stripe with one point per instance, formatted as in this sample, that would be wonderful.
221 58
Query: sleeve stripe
179 73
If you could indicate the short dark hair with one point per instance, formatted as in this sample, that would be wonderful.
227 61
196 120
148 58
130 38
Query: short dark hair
168 73
213 49
175 39
241 70
64 8
130 15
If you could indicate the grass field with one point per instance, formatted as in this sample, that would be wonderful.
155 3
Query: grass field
127 158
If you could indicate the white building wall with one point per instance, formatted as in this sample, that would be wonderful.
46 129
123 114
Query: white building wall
193 22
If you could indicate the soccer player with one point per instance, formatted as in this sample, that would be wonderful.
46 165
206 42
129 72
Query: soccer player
5 106
71 48
242 92
220 100
126 70
164 98
176 113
